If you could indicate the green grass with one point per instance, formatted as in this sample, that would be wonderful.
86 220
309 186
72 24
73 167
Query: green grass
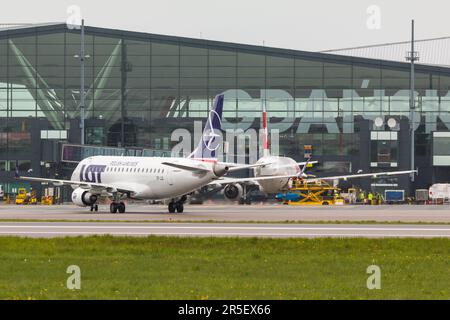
223 268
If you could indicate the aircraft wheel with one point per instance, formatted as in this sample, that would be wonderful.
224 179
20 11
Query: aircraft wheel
241 201
92 208
113 207
248 201
96 207
172 207
180 208
121 207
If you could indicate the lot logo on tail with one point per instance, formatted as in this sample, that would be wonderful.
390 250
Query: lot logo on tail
212 136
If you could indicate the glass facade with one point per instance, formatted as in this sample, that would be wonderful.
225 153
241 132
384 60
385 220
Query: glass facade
141 87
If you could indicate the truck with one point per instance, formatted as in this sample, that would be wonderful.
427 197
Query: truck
439 193
23 197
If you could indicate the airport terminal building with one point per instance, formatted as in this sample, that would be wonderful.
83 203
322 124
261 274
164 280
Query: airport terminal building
354 111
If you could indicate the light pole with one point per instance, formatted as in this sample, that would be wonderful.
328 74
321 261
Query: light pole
82 96
412 56
82 56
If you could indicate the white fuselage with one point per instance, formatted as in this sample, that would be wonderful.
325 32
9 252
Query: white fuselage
277 166
148 177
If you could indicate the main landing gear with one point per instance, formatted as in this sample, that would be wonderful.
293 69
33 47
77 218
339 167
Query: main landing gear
115 207
94 207
178 205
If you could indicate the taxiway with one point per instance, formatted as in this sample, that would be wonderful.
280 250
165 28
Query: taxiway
236 213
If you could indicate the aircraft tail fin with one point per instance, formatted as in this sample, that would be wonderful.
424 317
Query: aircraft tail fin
212 136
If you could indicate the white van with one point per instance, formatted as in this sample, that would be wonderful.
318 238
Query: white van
439 191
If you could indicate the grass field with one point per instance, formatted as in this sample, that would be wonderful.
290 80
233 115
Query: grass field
223 268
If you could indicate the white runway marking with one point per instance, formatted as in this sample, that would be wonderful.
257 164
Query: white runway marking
46 229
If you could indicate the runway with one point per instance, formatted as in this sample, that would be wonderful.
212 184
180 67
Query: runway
63 229
235 213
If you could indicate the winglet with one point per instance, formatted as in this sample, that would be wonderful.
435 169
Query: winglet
302 174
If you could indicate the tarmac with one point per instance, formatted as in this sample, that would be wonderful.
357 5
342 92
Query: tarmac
235 213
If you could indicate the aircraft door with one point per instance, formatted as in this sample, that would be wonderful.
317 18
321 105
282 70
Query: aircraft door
169 176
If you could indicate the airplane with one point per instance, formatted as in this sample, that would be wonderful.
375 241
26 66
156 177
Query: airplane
270 165
149 178
275 173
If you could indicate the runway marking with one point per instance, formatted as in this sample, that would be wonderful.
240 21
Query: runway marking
228 227
210 230
231 234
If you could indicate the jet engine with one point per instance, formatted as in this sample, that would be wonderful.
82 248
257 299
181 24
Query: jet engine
233 191
220 169
83 197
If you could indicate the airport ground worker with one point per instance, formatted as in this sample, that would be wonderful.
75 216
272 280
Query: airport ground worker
361 196
378 198
370 197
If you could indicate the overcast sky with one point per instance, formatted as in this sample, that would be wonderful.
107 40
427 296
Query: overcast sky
296 24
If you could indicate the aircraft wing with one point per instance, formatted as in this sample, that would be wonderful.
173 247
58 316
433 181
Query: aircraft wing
185 167
81 184
236 166
227 180
361 175
248 166
200 168
306 162
344 177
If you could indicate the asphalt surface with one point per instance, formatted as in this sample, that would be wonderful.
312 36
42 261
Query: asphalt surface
63 229
236 213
